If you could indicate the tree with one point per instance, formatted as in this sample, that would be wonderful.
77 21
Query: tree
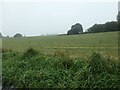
18 35
96 28
75 29
7 37
111 26
1 35
70 32
108 26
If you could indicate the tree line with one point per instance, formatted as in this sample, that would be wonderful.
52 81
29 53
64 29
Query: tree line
78 29
16 35
106 27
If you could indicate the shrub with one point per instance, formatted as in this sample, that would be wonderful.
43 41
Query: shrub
30 52
97 64
103 72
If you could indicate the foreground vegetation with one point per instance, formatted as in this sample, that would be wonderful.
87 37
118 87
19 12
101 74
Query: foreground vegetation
62 61
33 69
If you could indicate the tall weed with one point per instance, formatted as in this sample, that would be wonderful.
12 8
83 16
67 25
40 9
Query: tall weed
30 52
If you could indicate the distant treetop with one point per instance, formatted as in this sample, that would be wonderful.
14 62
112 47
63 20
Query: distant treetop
1 35
18 35
75 29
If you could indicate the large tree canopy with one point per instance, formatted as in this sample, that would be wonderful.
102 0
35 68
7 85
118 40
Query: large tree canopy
75 29
18 35
108 26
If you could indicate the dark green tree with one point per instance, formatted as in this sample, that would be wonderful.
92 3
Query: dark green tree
96 28
1 35
108 26
18 35
70 32
111 26
75 29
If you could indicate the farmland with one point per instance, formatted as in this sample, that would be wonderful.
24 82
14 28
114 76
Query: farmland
74 45
74 61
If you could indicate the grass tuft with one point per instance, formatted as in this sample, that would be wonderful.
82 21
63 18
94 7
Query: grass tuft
30 52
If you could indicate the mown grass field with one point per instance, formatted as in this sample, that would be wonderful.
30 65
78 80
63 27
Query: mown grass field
76 61
74 45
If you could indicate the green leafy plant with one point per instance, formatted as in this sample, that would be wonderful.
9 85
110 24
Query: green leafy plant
30 52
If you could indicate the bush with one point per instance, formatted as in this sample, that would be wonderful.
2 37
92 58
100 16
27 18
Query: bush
96 63
103 72
30 52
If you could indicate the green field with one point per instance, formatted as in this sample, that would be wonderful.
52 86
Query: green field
73 45
76 61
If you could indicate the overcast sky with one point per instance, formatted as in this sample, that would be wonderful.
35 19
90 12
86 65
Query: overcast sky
36 17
